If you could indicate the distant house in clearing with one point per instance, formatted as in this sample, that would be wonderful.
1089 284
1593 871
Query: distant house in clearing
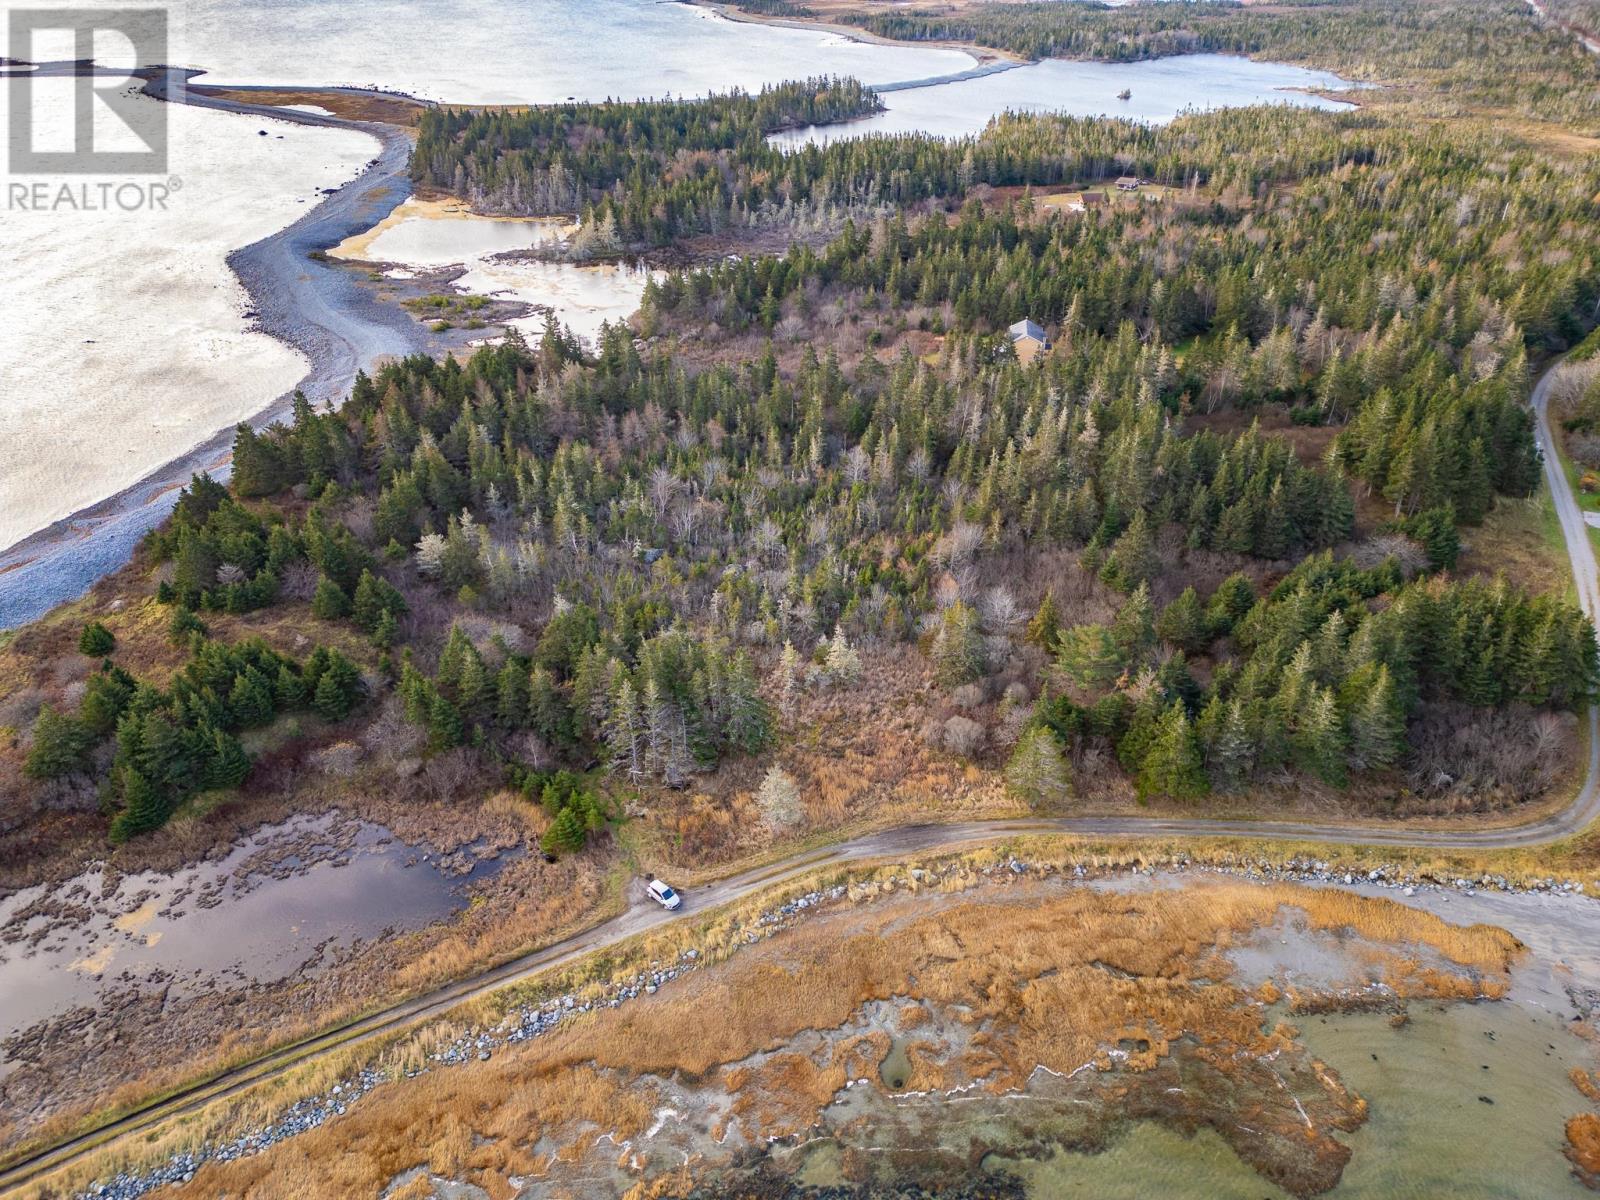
1028 340
1127 183
1093 199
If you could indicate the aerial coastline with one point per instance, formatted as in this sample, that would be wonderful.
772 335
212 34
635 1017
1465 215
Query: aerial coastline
986 57
1054 597
328 312
322 310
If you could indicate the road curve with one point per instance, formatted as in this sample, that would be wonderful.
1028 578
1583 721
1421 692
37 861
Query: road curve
643 916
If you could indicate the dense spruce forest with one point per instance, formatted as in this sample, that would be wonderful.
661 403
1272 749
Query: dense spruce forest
673 158
1213 538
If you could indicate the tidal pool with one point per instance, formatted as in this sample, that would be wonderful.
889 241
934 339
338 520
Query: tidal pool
284 900
1160 88
1464 1100
427 235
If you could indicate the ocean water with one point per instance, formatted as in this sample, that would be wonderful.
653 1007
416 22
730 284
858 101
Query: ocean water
509 51
124 333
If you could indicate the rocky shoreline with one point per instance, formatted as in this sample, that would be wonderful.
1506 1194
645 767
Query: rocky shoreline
988 59
536 1019
325 310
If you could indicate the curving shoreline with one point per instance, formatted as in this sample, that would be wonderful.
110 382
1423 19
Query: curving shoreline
318 308
1544 919
321 309
988 58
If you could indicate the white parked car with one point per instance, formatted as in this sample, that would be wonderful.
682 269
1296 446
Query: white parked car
664 895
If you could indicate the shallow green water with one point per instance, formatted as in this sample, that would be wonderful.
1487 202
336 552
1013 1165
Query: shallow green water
1427 1135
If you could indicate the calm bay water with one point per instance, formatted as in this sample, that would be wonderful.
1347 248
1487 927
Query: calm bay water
1161 89
418 236
510 51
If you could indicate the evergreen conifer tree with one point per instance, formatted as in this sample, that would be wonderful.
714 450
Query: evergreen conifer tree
1037 771
228 764
1171 767
329 603
1183 623
96 640
445 728
142 807
60 746
1377 727
1045 625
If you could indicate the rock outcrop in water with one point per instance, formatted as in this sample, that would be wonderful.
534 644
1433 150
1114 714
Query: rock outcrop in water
1583 1148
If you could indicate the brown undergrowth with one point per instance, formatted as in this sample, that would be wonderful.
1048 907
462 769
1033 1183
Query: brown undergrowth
348 105
1121 989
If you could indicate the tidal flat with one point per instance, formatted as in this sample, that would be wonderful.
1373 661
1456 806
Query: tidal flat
421 236
111 979
284 901
991 1033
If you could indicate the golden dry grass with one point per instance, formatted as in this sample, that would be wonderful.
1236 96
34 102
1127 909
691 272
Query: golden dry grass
389 110
859 760
1586 1082
717 935
1583 1147
1520 540
1052 976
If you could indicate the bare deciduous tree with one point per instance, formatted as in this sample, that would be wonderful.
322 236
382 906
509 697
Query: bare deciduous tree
963 736
999 610
779 800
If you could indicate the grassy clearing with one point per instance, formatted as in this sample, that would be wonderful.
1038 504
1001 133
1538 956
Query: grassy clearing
1522 540
1588 501
1586 349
